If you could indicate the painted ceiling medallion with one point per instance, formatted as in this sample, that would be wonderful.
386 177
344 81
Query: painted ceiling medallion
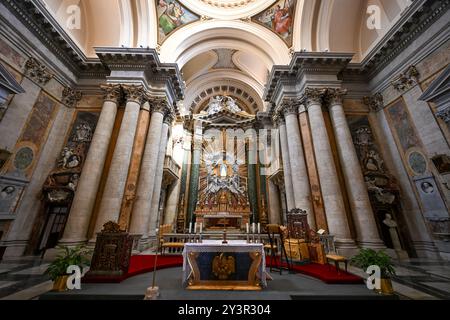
228 3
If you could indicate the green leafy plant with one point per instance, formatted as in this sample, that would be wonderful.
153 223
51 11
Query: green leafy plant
76 256
369 257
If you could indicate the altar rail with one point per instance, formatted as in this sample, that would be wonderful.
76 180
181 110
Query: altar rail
326 240
183 238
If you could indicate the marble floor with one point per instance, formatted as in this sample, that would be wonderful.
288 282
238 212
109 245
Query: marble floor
428 276
24 279
19 276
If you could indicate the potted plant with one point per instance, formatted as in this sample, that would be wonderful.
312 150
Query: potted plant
368 257
57 270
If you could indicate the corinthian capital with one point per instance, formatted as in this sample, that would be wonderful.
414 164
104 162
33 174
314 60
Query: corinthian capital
314 96
169 118
375 103
158 104
37 71
290 106
134 93
70 97
336 96
111 92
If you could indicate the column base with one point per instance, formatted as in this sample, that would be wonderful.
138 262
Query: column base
346 247
372 244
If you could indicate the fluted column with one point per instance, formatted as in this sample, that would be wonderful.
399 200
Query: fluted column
84 201
141 210
329 181
118 172
135 165
290 201
154 209
299 172
366 228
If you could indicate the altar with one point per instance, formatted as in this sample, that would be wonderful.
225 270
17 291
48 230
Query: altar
212 265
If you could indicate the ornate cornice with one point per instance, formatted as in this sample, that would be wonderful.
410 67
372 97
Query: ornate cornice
374 103
71 97
406 80
37 72
169 118
112 92
134 93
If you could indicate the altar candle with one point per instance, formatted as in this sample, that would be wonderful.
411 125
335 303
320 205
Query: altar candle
190 228
259 228
195 227
253 228
201 227
248 228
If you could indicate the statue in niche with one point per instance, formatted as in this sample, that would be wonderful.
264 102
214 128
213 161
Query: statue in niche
73 184
374 162
383 196
83 133
392 225
68 159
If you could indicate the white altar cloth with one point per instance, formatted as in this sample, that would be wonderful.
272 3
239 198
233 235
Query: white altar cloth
233 246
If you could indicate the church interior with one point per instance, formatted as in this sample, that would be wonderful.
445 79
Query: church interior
224 149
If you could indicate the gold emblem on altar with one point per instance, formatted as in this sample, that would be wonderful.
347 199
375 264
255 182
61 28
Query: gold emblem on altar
223 267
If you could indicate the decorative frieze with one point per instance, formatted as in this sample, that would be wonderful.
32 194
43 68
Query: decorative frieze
406 80
71 97
37 72
375 102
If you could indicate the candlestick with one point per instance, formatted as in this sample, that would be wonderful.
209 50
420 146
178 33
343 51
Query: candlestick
248 228
190 228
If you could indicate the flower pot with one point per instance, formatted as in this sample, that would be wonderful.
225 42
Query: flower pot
60 283
386 287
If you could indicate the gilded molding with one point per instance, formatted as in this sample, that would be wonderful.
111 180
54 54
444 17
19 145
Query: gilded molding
38 72
71 97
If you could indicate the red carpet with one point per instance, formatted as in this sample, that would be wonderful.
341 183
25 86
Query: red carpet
326 273
145 263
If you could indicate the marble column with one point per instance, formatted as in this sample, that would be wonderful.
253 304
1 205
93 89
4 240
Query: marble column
133 172
141 210
274 203
155 204
170 215
83 204
290 201
366 228
118 172
299 172
329 181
